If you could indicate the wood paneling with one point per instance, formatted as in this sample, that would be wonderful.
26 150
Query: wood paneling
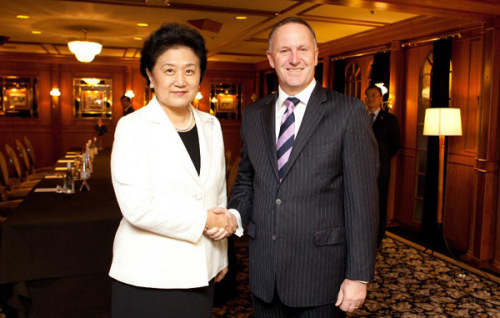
404 204
462 9
56 129
458 204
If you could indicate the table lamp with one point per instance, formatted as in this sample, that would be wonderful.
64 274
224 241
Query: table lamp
442 122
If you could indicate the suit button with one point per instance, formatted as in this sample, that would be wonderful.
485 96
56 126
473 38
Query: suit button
198 196
278 201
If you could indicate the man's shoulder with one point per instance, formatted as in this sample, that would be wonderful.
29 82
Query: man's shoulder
388 115
261 103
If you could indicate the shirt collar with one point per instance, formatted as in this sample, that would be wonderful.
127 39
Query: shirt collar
377 111
304 95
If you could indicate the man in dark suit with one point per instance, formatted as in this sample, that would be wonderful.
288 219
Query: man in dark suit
126 105
306 188
386 129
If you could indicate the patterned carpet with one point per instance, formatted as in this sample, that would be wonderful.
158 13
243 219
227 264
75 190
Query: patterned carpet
408 283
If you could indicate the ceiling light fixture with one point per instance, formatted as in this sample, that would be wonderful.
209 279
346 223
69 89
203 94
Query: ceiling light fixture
142 24
91 81
85 50
36 32
23 17
241 17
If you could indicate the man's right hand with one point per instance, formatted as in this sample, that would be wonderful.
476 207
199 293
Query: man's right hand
220 223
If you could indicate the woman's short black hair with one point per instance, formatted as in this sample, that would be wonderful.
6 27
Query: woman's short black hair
169 36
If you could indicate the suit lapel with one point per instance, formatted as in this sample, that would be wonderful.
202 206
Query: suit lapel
314 112
268 120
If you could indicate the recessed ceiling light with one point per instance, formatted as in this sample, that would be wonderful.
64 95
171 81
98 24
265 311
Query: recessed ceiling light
138 39
142 24
36 32
241 17
20 16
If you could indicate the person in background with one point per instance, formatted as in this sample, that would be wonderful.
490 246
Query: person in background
168 171
126 105
306 188
386 129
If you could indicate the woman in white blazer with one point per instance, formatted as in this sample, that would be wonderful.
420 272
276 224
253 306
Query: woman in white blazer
168 171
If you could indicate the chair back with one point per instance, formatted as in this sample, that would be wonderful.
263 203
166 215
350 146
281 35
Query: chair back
4 172
14 161
23 155
31 151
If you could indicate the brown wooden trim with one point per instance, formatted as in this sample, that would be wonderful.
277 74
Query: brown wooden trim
419 26
318 18
462 9
185 6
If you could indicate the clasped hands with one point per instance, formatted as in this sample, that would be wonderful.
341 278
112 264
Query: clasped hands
220 223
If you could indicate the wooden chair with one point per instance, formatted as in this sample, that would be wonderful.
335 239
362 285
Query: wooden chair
7 207
16 166
31 155
14 189
26 162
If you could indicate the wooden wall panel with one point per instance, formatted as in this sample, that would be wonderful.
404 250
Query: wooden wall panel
458 204
405 179
56 129
404 199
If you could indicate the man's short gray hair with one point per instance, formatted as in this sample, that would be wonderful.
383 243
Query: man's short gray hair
291 20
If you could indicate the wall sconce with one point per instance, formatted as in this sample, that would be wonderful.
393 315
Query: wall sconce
55 92
382 87
130 93
197 99
214 100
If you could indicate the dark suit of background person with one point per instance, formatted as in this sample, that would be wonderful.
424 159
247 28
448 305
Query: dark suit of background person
318 226
387 132
126 105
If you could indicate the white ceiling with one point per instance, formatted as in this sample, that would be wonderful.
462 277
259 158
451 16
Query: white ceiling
114 23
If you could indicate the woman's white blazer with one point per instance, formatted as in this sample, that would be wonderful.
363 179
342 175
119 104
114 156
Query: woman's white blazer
160 241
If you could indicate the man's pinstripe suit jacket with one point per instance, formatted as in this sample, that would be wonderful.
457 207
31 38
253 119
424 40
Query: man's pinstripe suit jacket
319 225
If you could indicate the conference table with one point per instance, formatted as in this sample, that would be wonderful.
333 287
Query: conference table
56 248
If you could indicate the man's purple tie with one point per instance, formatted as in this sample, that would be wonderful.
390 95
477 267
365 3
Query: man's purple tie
286 136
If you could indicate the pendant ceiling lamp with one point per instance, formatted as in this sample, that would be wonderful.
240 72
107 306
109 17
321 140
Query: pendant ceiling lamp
84 49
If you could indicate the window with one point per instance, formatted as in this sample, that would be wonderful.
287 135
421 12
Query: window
424 102
353 80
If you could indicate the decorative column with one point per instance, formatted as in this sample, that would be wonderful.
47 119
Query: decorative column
484 240
55 111
396 97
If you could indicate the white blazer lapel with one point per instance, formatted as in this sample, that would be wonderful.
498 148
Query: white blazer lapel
169 139
205 126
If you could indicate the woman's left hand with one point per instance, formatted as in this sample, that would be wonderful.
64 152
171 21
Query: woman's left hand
221 275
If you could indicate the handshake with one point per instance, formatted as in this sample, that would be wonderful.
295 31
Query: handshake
220 224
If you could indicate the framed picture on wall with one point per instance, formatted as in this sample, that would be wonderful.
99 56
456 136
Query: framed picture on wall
226 103
18 99
93 101
92 97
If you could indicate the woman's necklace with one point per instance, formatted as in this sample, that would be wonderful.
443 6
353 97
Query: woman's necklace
191 120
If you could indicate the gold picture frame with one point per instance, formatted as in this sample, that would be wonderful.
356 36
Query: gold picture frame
226 103
18 99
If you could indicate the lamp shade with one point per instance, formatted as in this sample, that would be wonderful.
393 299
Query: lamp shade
85 51
442 121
